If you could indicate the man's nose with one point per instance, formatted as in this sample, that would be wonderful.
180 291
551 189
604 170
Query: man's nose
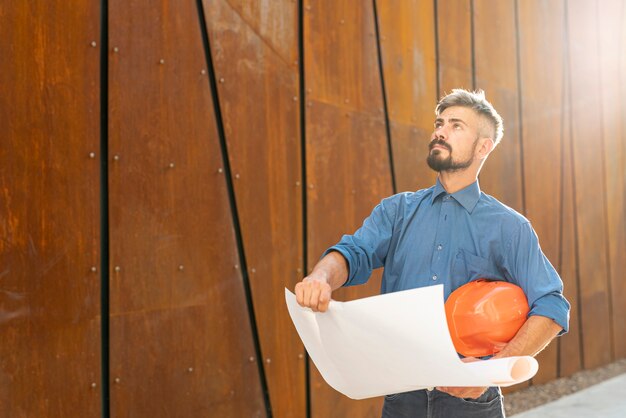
440 133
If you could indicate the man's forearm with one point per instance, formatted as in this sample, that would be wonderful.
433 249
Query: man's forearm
533 336
329 274
333 268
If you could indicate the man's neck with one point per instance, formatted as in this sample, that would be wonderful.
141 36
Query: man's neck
452 182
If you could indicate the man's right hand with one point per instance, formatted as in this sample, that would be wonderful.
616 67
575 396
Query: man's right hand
314 291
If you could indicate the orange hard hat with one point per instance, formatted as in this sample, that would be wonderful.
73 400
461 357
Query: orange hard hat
483 316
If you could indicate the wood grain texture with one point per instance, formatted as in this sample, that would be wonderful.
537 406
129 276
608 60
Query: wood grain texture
570 355
611 20
407 43
620 351
496 73
178 294
347 161
591 219
454 34
254 48
49 210
541 29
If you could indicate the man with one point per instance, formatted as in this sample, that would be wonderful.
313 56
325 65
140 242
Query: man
451 233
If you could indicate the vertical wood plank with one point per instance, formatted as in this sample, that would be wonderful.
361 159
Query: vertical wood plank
181 340
587 117
254 48
454 33
541 66
49 210
610 20
570 356
407 43
496 73
347 162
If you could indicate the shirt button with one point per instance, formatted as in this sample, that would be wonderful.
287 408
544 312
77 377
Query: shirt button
439 247
435 277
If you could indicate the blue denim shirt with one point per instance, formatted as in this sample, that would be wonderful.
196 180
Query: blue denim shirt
431 237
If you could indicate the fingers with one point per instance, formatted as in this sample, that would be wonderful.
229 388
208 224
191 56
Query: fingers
313 293
324 299
463 392
299 293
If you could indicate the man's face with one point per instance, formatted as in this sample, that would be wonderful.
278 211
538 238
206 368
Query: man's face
454 139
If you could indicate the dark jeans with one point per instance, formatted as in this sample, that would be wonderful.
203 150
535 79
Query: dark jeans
436 404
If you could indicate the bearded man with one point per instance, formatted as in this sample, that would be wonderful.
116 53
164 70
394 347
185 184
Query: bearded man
451 233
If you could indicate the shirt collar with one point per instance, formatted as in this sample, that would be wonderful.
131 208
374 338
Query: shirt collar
467 197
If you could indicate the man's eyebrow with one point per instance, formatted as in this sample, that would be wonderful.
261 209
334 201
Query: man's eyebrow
452 120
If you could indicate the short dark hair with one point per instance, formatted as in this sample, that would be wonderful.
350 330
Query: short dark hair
474 100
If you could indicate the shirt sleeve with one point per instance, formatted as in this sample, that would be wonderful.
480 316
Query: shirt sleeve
530 269
367 248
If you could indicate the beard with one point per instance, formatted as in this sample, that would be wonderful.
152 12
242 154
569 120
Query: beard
438 163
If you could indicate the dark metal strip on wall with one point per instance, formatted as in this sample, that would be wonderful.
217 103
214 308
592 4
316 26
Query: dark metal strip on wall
473 44
233 202
305 260
435 15
384 93
104 205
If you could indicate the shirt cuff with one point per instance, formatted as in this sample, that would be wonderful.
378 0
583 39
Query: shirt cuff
555 307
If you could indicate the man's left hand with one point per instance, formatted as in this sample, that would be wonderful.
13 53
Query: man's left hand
463 392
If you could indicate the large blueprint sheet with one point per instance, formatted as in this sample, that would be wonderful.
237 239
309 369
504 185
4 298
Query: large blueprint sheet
394 343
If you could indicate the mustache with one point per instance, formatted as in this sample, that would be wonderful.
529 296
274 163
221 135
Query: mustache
439 142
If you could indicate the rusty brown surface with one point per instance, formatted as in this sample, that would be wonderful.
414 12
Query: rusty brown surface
495 52
611 18
407 44
454 32
591 218
49 210
347 161
570 356
176 289
541 50
255 52
181 340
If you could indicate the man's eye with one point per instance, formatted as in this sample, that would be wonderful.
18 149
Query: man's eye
457 126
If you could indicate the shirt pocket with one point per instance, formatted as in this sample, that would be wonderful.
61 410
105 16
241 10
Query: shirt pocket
468 267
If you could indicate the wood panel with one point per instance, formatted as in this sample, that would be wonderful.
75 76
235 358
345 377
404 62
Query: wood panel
454 35
570 356
591 219
176 286
495 53
541 29
347 161
254 48
610 21
49 210
619 297
407 44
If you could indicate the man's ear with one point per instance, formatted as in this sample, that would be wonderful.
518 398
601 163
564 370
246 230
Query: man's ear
484 148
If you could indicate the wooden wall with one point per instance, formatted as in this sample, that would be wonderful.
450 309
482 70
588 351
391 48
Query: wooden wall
167 168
